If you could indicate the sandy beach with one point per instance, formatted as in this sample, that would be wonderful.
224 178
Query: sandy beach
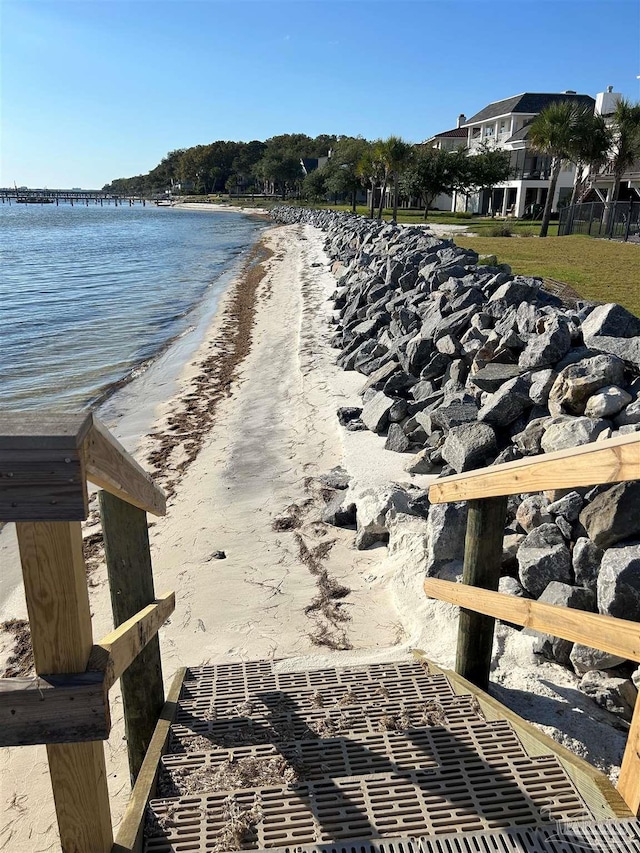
240 448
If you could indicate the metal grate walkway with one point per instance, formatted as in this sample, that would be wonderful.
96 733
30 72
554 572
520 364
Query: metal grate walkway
260 759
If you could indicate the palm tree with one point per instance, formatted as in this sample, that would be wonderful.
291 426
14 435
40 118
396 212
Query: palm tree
553 133
626 141
370 169
591 144
397 155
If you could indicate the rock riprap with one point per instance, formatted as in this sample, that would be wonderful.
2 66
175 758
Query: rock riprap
466 365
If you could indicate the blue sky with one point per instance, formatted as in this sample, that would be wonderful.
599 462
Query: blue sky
102 89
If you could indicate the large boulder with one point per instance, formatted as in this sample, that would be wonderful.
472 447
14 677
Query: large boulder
469 446
607 402
617 695
577 382
532 512
543 557
613 515
560 595
586 559
548 346
493 375
585 659
561 434
507 404
619 582
446 530
612 329
375 414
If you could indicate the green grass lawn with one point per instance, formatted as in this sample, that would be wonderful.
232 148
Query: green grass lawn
603 270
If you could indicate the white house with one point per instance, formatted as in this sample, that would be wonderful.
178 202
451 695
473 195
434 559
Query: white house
601 183
505 124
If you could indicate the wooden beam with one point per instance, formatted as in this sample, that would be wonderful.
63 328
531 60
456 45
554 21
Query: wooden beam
629 780
110 467
53 709
603 800
129 838
617 636
41 468
128 558
482 564
57 599
117 650
610 461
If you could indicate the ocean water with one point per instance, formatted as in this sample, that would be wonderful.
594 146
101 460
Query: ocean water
90 295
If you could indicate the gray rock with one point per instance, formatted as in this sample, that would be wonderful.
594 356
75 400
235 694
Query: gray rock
398 411
630 415
541 385
348 413
585 659
586 559
612 329
564 527
560 595
577 382
493 376
372 506
613 514
336 478
568 506
529 441
532 512
446 529
421 463
375 414
340 511
396 439
619 582
469 446
571 433
543 557
510 544
506 404
453 414
514 292
607 402
547 347
617 695
510 586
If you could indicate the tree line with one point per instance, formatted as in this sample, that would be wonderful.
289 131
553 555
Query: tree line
564 131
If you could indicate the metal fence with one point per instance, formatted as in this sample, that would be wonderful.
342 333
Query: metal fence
619 220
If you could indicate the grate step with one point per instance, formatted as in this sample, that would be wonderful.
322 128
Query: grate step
462 798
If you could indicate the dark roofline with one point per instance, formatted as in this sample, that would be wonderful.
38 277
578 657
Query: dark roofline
529 103
456 131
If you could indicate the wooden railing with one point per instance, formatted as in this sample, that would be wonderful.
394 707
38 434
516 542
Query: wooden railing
611 461
45 464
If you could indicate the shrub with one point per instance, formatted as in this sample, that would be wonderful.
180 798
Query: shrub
500 231
462 214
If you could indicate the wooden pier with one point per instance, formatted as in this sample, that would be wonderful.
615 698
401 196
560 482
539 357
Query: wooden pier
86 197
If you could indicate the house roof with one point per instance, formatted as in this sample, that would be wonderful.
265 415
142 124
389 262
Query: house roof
527 102
461 132
521 134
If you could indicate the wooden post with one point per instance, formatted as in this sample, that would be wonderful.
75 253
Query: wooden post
126 544
482 559
58 605
629 781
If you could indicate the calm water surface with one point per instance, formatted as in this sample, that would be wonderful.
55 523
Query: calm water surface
88 294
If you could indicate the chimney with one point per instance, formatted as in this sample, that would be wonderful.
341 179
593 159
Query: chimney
461 119
606 102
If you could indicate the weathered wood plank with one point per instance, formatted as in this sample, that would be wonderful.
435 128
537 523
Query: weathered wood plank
41 473
603 799
616 636
482 564
58 606
129 838
610 461
53 709
126 544
110 467
116 651
629 780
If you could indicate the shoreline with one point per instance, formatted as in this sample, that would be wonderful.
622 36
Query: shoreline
255 491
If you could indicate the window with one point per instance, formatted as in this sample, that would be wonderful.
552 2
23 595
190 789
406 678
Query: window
503 126
488 131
